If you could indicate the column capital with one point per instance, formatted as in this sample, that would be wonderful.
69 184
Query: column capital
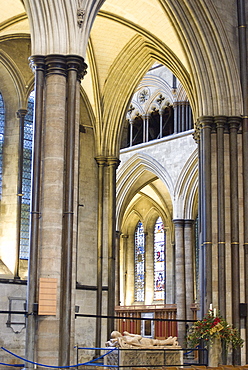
206 122
220 121
113 161
59 64
21 112
178 222
101 160
234 122
56 64
189 222
37 62
76 63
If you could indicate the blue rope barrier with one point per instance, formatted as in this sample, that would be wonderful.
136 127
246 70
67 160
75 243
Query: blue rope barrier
60 367
187 353
14 365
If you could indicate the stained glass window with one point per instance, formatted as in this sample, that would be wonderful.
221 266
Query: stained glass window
159 260
139 259
2 119
26 178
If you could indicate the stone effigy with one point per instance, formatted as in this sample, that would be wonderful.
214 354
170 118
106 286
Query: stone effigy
135 350
129 340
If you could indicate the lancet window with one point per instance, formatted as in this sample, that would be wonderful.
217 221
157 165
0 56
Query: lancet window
26 178
159 260
139 260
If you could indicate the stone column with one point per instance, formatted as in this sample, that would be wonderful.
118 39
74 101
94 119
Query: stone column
160 123
234 123
144 128
131 121
220 125
125 265
112 163
206 210
189 266
187 125
175 105
38 65
180 278
183 117
101 161
75 68
117 268
179 115
51 239
245 202
21 115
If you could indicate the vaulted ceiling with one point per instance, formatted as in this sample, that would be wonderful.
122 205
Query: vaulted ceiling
126 38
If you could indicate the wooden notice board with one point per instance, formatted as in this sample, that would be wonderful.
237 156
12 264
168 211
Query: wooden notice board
47 296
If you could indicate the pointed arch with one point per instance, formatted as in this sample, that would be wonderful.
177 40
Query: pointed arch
186 190
123 79
139 170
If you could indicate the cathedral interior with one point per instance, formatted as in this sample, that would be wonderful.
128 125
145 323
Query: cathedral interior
123 172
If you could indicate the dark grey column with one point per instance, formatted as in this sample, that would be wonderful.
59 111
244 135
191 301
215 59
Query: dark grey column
179 117
160 123
147 116
183 117
234 123
144 128
101 161
21 115
242 32
189 266
38 65
220 125
117 268
175 105
180 278
112 163
125 265
75 69
206 210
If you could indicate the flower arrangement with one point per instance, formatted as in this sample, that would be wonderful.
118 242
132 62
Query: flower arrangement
213 326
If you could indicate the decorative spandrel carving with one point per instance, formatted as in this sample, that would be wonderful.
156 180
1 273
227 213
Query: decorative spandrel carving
144 95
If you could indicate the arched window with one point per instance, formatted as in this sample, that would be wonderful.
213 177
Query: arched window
159 260
2 120
26 178
139 259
